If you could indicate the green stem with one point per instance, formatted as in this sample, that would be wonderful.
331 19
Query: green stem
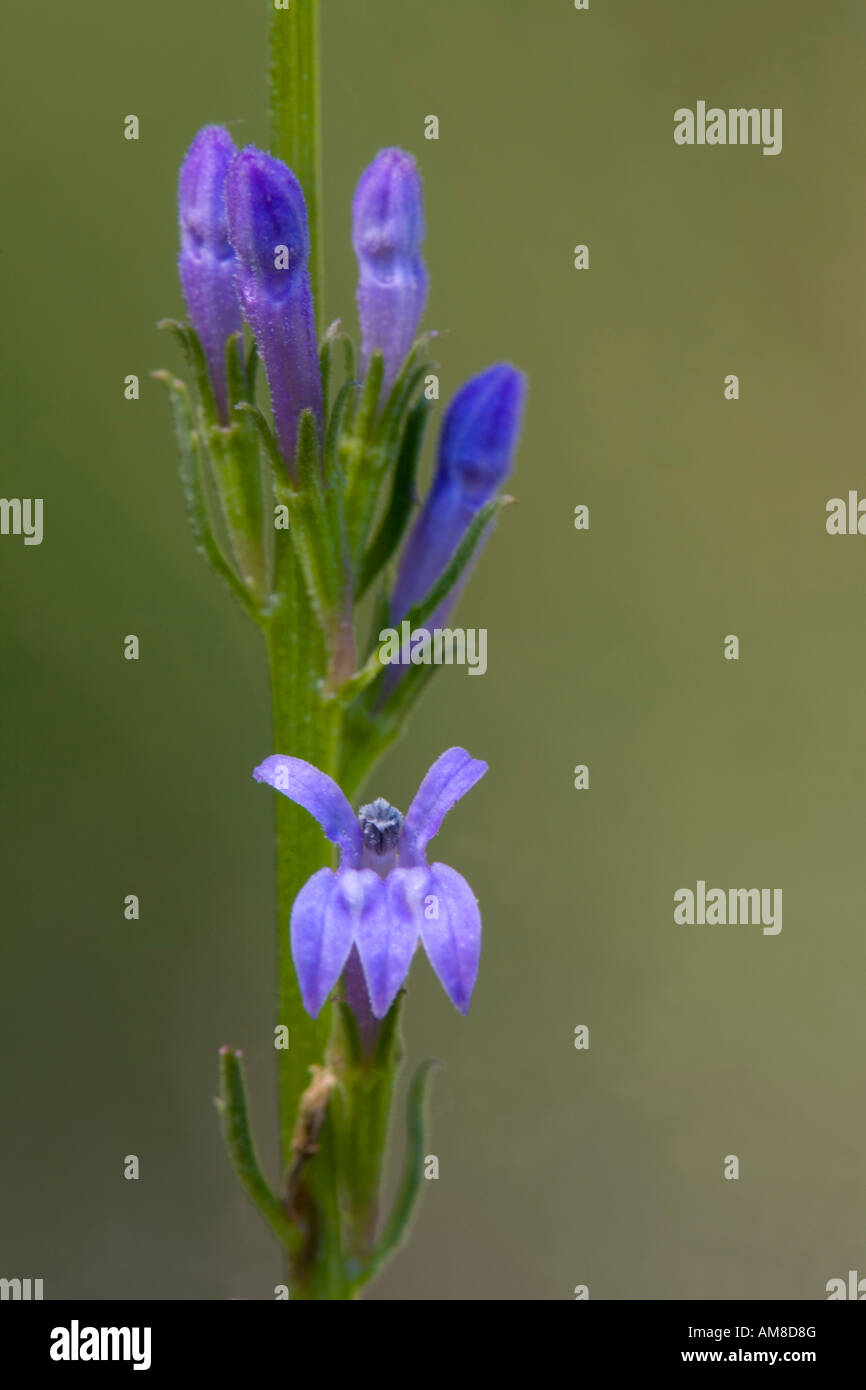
305 726
295 651
334 1119
365 1054
296 124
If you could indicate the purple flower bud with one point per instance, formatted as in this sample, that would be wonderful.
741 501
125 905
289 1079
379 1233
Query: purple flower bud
207 262
268 230
388 230
478 438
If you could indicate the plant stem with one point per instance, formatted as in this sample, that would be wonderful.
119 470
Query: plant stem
296 654
366 1054
305 726
295 112
333 1176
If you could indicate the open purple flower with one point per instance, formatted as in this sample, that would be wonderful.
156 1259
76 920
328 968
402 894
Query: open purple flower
384 896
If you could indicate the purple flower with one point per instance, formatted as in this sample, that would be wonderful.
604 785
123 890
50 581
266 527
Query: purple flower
207 261
384 896
268 229
388 230
476 446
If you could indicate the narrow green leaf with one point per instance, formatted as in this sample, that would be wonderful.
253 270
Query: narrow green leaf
337 425
458 562
348 357
232 1107
194 353
310 508
371 448
252 370
408 690
364 466
399 402
187 441
190 468
236 372
237 478
311 549
394 521
398 1225
309 469
391 716
266 435
368 405
321 523
363 678
325 352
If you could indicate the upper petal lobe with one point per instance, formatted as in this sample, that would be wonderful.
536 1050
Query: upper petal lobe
318 794
451 777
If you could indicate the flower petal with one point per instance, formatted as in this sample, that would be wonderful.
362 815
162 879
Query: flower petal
360 901
450 777
450 926
321 933
318 794
387 934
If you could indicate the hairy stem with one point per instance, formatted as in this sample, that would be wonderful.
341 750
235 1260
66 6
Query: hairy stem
334 1098
295 112
306 727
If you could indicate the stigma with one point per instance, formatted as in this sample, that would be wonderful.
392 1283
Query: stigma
380 824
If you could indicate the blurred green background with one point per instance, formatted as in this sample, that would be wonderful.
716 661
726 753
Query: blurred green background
558 1167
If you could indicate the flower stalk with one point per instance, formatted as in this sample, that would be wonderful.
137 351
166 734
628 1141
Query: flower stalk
296 655
296 115
304 512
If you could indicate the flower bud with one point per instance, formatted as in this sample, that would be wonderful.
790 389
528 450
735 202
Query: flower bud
478 438
268 230
388 231
206 262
